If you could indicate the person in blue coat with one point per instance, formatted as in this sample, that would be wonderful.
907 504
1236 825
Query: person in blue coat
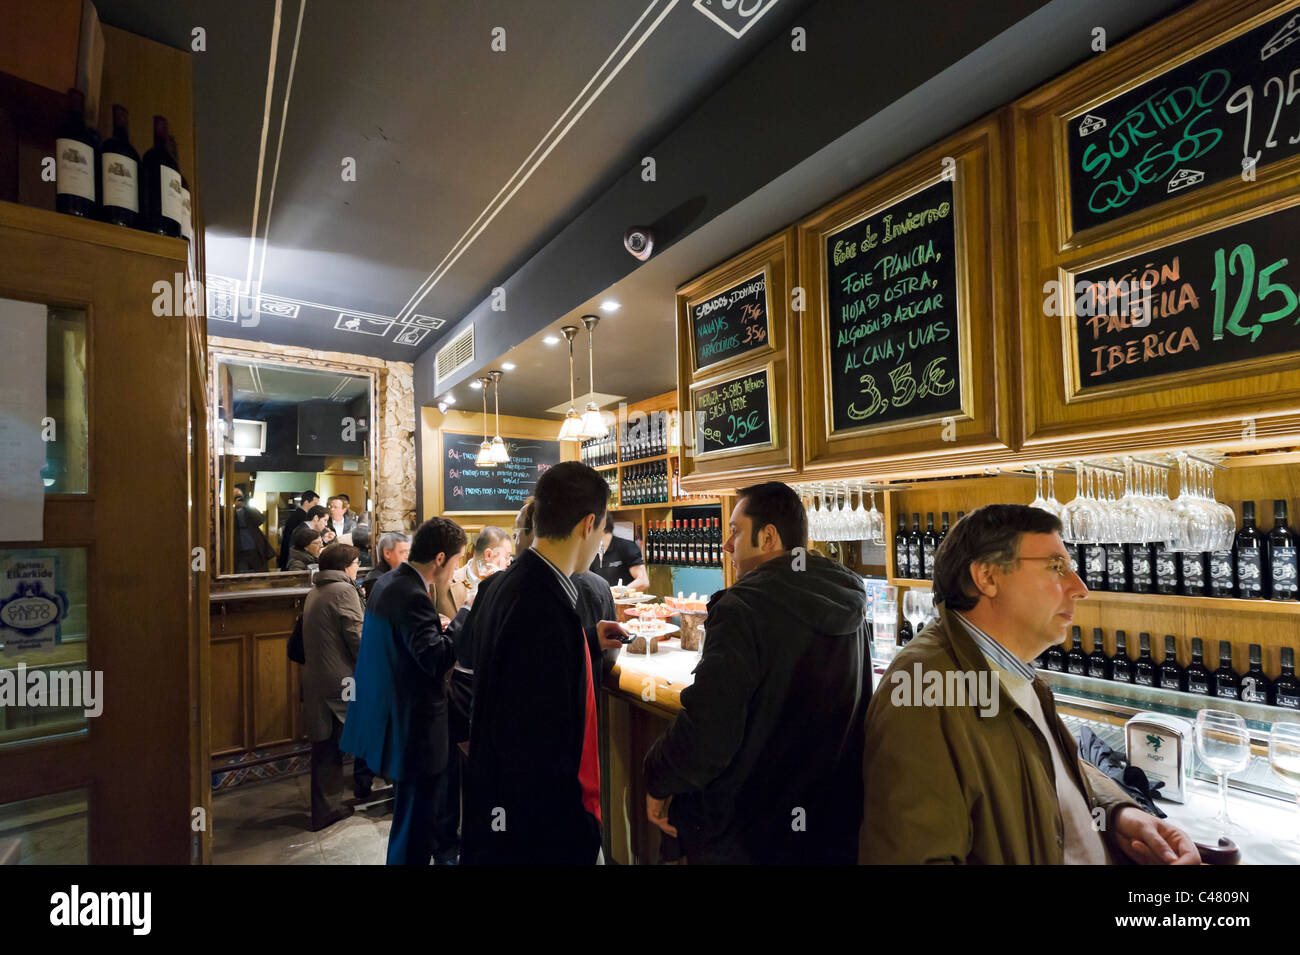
398 721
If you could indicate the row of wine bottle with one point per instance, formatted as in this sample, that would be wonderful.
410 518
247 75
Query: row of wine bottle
685 543
598 452
109 181
645 484
644 440
914 552
1252 687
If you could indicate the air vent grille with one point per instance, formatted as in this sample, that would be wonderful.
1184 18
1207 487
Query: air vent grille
455 355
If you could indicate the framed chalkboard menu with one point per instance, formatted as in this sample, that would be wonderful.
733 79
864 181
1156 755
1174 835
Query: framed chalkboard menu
734 322
1222 115
1220 298
893 327
737 414
503 488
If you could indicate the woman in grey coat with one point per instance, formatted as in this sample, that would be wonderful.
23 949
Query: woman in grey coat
331 636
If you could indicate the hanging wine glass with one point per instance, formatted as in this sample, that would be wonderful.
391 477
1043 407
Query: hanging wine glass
877 521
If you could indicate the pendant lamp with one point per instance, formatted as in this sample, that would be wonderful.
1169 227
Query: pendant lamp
593 422
499 453
484 459
571 430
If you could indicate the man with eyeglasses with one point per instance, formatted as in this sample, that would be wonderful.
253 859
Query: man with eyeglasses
996 778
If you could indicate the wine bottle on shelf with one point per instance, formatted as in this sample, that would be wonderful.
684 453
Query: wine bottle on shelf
1222 578
1286 688
1141 568
1094 565
929 544
900 547
1054 658
1256 687
717 542
187 200
1195 573
76 148
1076 661
1171 675
1144 667
1227 684
942 534
1072 549
1166 570
119 174
1249 556
1116 568
1098 662
160 186
915 559
1282 556
1121 667
1199 679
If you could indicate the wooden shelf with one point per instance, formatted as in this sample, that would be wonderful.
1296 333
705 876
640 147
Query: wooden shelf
604 467
669 505
1222 604
636 461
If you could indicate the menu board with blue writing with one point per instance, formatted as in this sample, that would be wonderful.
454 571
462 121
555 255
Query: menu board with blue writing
1222 115
1226 296
734 414
502 488
733 322
892 313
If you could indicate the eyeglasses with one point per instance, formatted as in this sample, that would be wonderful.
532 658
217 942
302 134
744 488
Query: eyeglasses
1057 563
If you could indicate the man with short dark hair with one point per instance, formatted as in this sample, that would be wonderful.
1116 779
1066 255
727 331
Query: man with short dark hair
299 516
979 768
763 763
398 721
619 560
532 786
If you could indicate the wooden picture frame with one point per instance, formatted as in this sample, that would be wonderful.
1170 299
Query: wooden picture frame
745 357
774 425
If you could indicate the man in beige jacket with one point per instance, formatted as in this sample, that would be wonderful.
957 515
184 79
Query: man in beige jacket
966 759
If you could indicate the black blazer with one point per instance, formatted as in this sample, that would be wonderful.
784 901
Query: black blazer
398 721
523 800
291 524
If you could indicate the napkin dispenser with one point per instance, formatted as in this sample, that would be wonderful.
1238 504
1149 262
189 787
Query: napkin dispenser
1161 746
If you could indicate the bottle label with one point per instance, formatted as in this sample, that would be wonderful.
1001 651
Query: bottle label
1198 685
172 198
121 182
187 214
1096 670
1193 571
928 550
1166 569
1227 692
1284 570
1248 571
1221 569
1075 667
74 168
1251 692
1094 562
1121 674
1140 562
1115 567
1144 679
1073 551
1290 700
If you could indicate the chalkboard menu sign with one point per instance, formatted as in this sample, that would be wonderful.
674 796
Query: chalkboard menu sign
731 323
502 488
1208 120
734 414
1226 296
892 322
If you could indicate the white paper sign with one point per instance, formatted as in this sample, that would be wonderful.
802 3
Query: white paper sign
22 406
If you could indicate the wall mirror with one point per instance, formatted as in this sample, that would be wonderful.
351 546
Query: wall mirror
283 428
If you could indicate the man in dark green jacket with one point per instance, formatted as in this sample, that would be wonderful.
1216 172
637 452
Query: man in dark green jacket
965 757
762 763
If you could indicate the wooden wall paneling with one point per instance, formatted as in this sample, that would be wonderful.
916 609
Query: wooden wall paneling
228 731
777 255
987 298
1243 405
273 688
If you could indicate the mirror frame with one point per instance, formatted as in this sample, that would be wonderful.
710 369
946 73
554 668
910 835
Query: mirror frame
217 356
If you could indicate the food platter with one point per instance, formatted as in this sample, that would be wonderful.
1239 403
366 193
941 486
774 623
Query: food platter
651 628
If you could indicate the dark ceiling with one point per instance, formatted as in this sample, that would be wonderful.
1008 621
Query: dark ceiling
467 159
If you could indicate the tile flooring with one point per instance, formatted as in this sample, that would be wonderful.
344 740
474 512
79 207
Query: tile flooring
267 824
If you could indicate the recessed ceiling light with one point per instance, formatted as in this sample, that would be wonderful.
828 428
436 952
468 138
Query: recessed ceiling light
450 399
508 365
551 340
609 305
475 384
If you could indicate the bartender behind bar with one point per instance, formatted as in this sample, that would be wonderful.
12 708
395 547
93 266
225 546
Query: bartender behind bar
619 560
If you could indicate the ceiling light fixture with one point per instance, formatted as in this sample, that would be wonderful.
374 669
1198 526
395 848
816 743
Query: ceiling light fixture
499 453
571 430
476 384
609 305
593 422
484 459
552 340
450 398
508 365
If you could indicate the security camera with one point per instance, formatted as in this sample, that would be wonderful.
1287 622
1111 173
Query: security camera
640 241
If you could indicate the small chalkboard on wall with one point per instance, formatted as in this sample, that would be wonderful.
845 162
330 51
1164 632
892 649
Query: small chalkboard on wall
466 488
734 322
1227 297
735 415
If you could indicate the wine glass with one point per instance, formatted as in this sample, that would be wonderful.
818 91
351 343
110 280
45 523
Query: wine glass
877 521
915 610
1223 743
1284 760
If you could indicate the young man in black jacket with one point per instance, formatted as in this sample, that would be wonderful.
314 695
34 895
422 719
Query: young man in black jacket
763 764
532 783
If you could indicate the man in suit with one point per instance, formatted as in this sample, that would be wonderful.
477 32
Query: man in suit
532 788
299 516
341 521
398 721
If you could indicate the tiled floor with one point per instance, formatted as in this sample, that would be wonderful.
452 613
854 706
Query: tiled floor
267 824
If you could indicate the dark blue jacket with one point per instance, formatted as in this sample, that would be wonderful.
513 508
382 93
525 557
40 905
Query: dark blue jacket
398 721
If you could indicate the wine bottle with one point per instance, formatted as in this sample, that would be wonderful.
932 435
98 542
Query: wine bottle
187 201
1098 662
1166 570
1094 566
160 186
1121 667
119 178
1256 687
717 542
904 632
1141 564
1282 555
1054 658
929 544
942 534
1075 660
1286 688
901 566
1192 564
1249 553
1227 684
1144 667
1199 679
1171 675
75 149
1072 549
1116 568
915 559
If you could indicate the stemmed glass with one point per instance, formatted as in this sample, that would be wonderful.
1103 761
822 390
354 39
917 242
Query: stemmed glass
1223 743
861 520
1082 516
915 609
1284 760
877 525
